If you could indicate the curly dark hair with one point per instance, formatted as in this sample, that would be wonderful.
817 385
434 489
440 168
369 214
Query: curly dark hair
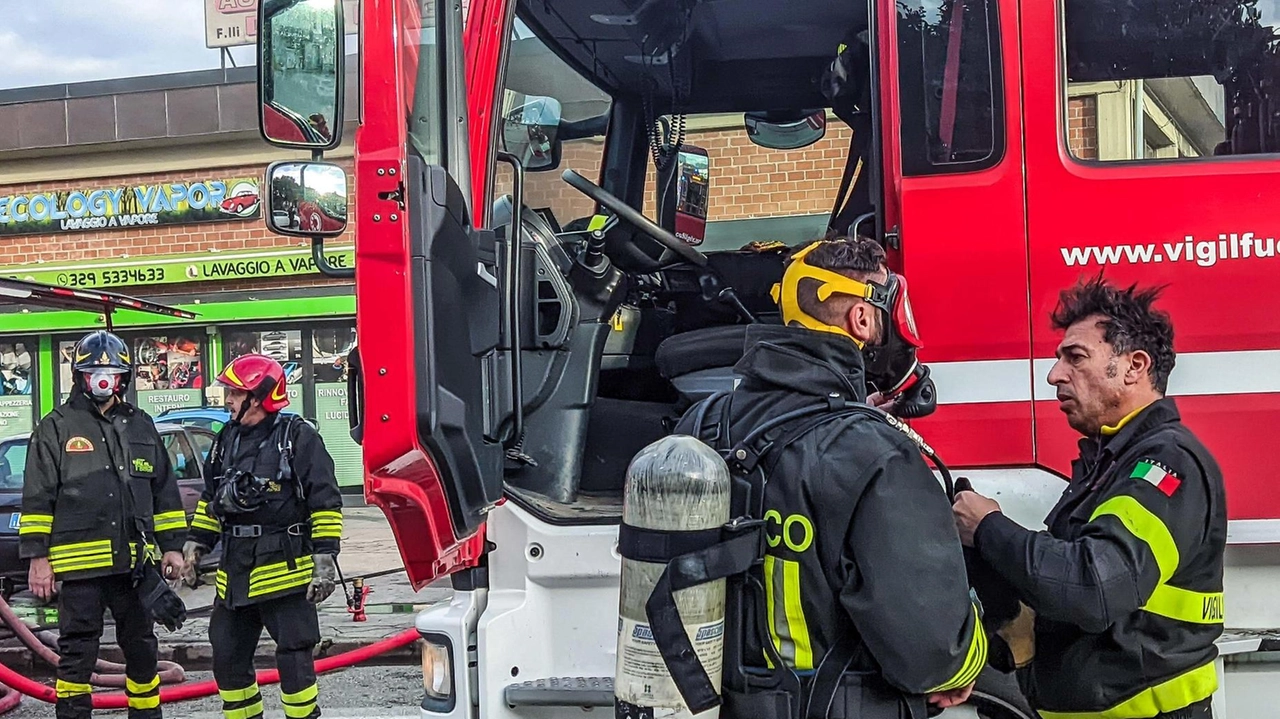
1129 321
854 257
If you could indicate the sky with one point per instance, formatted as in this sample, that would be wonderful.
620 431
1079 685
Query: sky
55 41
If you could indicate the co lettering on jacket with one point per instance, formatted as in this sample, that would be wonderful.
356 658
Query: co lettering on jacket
796 531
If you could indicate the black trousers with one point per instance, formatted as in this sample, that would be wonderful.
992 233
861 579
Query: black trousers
234 633
1200 710
81 607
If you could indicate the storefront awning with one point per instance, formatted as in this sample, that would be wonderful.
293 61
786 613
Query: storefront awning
26 292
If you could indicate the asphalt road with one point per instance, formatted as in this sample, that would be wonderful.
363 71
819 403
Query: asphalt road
355 693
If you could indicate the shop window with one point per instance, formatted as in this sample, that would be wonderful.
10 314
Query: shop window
169 373
284 346
17 377
329 350
951 96
1169 80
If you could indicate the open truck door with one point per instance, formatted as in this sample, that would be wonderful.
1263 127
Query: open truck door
432 393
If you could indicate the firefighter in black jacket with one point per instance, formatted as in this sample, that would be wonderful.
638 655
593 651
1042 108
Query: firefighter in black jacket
272 498
99 489
1126 584
859 532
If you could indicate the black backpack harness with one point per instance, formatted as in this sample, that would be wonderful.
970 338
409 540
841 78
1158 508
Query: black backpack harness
735 553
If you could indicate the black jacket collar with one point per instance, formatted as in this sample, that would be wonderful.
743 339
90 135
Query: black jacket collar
78 400
802 360
1161 412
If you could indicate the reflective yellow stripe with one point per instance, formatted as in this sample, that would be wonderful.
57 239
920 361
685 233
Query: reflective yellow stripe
326 534
301 704
973 661
1177 693
132 687
1146 526
35 524
278 577
252 711
326 524
81 556
220 584
770 604
326 514
1186 605
267 571
799 628
79 549
169 521
150 702
239 695
278 585
1166 601
204 520
72 689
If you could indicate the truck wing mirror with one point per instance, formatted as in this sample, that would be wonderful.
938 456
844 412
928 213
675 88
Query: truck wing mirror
309 199
530 133
786 130
301 65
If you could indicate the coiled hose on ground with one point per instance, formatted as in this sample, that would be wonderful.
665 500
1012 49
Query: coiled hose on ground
110 674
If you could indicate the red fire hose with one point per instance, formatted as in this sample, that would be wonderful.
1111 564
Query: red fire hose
13 685
198 690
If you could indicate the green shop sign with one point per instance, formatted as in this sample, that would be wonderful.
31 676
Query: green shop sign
123 206
169 269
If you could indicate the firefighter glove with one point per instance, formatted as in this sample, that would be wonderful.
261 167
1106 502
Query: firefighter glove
324 578
192 553
166 607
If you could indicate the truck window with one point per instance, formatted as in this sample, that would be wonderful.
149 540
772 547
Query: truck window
420 62
1152 80
534 71
950 86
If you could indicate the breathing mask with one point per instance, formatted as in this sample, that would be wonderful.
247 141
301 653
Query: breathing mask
238 492
104 383
891 365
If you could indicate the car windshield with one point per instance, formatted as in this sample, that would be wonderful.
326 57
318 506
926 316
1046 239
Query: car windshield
13 464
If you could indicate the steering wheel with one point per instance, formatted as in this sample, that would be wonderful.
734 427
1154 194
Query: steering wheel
634 218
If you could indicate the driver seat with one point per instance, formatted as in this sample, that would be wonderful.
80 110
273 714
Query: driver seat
700 362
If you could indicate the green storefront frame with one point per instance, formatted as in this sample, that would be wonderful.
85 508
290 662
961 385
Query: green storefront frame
215 320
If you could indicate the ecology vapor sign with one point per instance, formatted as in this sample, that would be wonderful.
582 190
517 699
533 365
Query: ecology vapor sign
126 206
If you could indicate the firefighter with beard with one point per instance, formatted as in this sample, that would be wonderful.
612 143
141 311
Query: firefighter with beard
99 492
863 560
272 498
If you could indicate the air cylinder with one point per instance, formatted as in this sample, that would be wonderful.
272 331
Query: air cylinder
676 484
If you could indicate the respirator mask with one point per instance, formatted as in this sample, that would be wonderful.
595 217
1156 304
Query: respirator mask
104 383
238 493
891 366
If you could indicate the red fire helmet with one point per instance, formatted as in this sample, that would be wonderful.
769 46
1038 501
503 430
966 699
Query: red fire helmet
261 377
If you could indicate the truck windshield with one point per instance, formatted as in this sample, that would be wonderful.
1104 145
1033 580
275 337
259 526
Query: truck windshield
534 75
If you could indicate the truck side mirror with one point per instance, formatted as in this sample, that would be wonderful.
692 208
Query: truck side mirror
786 130
530 132
301 65
306 199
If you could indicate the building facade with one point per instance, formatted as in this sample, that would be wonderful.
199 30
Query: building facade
152 187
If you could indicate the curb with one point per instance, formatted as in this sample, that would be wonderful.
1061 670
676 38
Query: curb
198 656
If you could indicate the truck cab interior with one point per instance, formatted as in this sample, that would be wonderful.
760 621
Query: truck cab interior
624 324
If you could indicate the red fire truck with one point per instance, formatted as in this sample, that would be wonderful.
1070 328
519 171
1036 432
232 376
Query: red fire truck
1001 150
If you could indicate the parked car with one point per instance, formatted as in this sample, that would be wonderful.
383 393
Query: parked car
205 417
188 447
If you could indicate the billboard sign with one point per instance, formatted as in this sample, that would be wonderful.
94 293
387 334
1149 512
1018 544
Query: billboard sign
231 23
80 209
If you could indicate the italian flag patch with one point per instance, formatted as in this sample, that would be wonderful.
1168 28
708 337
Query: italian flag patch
1161 477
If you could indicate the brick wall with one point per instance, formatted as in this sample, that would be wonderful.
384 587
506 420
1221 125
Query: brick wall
1082 127
747 181
165 239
